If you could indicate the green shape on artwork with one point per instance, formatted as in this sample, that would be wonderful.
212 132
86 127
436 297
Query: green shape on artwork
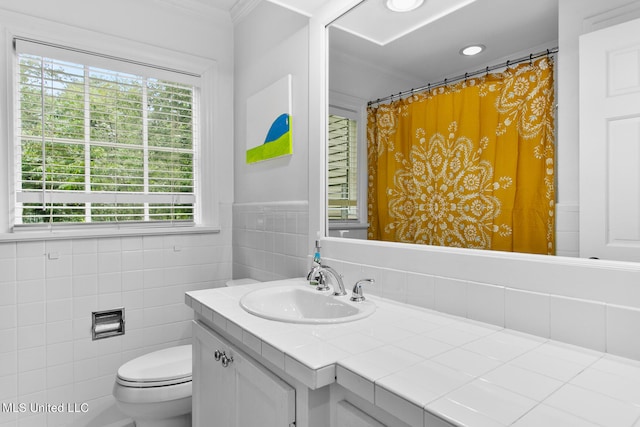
276 148
280 147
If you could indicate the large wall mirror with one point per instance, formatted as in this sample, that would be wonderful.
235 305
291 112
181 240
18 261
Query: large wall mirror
377 56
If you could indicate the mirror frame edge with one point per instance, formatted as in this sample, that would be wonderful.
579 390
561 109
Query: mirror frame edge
318 110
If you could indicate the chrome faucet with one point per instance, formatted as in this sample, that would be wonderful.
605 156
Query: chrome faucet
357 295
319 272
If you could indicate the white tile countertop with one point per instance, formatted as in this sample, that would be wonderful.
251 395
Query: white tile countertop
417 363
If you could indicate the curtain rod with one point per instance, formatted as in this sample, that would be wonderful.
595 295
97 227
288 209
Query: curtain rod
465 76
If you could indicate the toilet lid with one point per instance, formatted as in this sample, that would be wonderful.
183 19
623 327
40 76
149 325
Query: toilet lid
165 366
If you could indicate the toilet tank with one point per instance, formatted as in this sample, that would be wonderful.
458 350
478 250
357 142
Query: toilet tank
238 282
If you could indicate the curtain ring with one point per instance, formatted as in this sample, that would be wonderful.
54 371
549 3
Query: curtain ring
548 53
531 59
466 75
507 65
487 72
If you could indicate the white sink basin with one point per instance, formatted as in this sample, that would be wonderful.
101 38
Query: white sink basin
302 303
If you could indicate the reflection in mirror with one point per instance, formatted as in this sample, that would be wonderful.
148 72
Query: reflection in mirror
421 148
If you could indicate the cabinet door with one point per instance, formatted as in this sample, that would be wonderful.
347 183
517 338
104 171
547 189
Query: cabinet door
213 400
243 394
262 398
610 143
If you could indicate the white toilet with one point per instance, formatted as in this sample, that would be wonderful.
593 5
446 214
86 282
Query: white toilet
155 389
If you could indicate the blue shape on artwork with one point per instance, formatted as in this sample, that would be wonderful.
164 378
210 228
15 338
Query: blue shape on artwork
279 127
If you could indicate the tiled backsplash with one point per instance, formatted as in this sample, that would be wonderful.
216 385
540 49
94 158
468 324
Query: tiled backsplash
270 240
48 290
566 303
594 324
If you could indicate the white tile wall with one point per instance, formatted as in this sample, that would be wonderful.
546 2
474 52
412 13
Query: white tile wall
593 324
49 288
527 312
451 296
568 229
488 303
578 322
270 240
623 330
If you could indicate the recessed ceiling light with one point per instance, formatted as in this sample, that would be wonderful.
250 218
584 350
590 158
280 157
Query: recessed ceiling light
472 50
403 5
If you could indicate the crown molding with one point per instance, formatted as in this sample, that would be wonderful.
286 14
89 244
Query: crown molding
611 17
242 8
199 7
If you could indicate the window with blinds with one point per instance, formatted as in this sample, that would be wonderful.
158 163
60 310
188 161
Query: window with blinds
343 169
95 144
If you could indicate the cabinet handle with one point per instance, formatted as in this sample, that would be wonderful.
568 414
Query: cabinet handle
222 357
226 360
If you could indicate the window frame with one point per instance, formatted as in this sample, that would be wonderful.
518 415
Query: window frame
355 109
206 215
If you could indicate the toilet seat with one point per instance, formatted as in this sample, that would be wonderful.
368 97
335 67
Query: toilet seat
148 384
162 368
141 395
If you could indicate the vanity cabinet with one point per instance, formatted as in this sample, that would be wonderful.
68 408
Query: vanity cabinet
230 389
349 415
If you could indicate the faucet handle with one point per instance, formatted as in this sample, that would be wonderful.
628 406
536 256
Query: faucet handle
357 294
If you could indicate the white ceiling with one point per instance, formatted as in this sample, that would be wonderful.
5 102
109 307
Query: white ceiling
374 22
507 28
431 53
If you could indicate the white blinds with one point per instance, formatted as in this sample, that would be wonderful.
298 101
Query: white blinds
97 144
342 173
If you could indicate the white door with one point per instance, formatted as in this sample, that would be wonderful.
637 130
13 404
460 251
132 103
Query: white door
610 143
238 393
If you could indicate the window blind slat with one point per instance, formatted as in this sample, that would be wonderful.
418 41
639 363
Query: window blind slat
105 197
342 168
92 140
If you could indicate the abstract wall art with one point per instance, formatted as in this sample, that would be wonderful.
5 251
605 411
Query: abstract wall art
269 122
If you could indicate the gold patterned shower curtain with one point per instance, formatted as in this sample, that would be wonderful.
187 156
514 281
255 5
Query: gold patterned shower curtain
467 165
